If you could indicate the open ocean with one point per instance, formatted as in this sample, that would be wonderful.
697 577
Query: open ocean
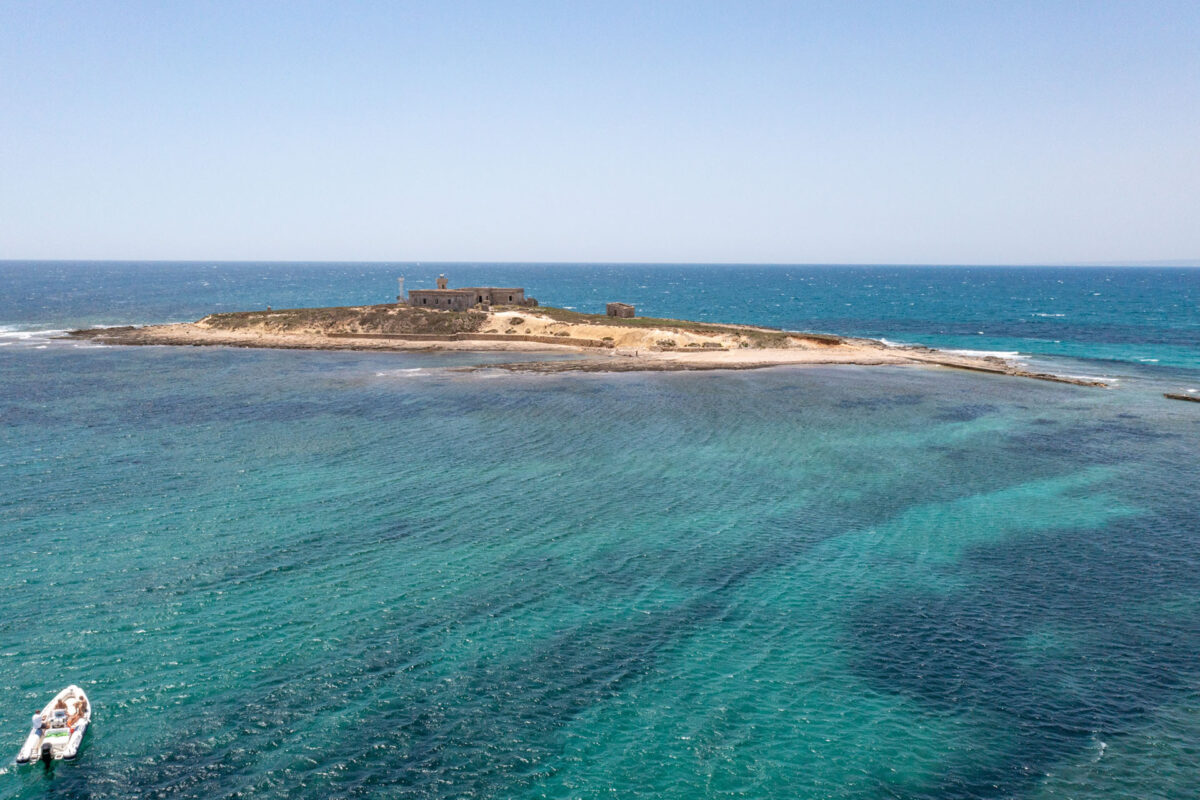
331 574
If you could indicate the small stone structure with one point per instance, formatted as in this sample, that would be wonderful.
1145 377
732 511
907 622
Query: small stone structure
620 310
468 297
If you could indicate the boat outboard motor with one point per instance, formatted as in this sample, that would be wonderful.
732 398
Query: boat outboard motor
47 753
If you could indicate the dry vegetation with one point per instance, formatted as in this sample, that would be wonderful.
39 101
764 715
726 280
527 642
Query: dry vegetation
759 337
407 319
350 319
635 332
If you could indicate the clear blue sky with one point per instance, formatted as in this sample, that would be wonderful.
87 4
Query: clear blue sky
892 132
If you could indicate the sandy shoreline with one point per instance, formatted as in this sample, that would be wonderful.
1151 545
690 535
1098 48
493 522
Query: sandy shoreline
188 334
630 355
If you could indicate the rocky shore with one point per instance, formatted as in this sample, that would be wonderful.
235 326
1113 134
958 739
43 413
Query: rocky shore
605 344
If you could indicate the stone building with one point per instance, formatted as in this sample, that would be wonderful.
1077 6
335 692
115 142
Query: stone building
442 299
496 296
620 310
468 297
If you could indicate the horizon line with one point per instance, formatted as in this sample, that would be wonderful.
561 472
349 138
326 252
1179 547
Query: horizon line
1176 262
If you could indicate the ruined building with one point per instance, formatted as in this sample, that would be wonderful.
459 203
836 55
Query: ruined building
468 297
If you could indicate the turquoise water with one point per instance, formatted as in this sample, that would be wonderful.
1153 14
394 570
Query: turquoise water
347 575
1136 316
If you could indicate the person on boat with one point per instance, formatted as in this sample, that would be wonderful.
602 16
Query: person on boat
77 713
37 723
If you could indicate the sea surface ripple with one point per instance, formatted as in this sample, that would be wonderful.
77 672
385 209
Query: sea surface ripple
338 574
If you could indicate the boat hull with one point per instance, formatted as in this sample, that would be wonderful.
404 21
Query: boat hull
53 740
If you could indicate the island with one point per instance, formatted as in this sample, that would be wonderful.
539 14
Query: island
613 342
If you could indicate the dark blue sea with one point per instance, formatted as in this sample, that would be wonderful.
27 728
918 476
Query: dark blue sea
335 574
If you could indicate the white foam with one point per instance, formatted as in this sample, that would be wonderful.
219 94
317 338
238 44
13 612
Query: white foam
1101 378
399 373
14 333
1039 314
10 335
987 353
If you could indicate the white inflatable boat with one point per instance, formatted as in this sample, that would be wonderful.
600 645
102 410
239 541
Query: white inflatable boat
58 730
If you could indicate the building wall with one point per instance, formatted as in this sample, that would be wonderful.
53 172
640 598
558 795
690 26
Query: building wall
468 297
442 299
497 296
620 310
